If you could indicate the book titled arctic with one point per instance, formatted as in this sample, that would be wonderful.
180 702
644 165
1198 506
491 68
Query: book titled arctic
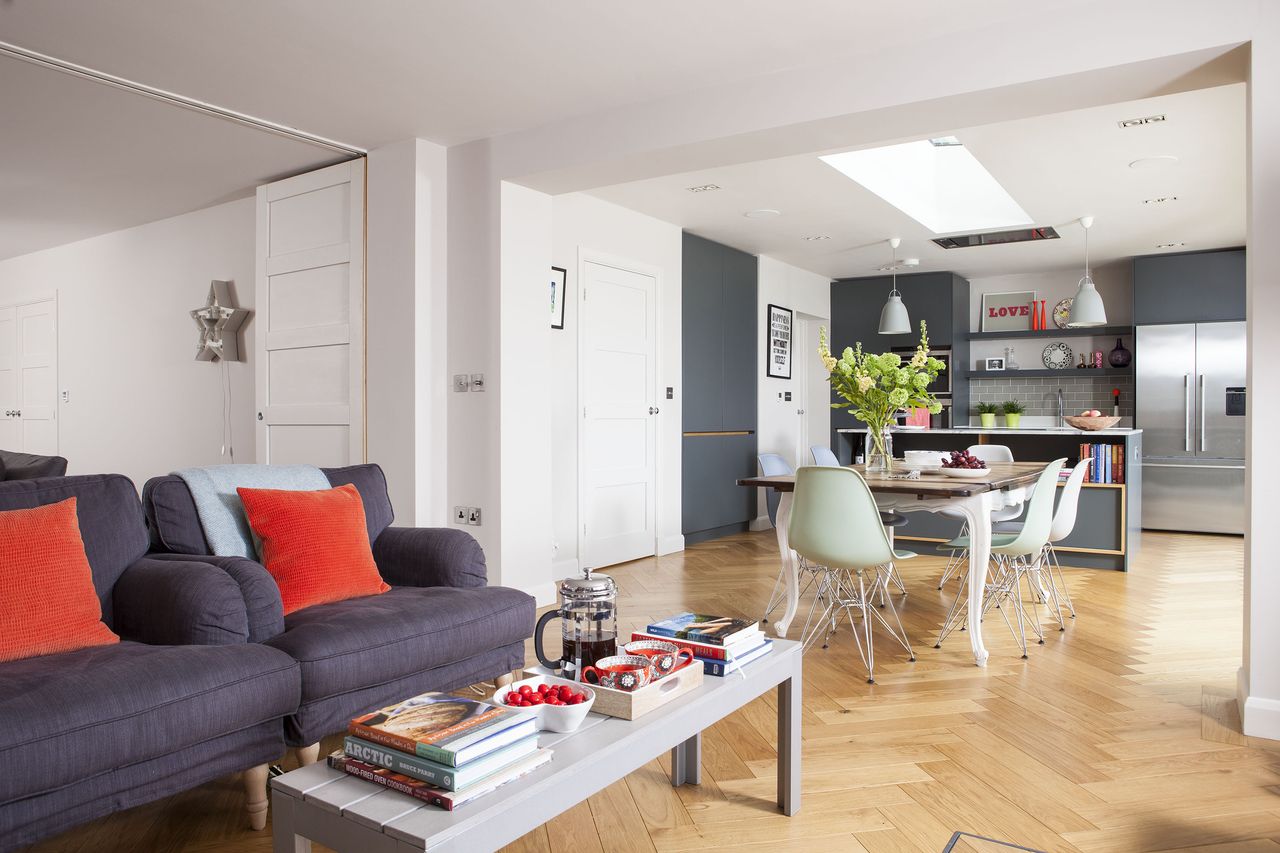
702 628
433 772
722 668
444 728
419 790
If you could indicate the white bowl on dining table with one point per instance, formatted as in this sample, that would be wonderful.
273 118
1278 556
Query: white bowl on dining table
966 473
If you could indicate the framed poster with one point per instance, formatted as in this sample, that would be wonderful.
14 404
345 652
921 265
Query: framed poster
1007 312
559 280
778 344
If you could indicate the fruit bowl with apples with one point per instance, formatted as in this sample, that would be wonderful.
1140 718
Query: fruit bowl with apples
1091 420
962 463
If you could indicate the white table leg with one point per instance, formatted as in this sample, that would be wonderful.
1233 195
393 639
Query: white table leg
790 569
977 511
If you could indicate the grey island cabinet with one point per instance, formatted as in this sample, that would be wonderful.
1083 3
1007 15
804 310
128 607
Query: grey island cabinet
1109 520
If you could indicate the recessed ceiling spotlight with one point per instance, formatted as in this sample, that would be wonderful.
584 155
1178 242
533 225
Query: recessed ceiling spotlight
1139 122
1170 245
762 213
1160 200
813 237
703 188
1153 162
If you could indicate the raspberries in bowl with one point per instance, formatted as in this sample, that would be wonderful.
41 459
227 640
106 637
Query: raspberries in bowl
558 704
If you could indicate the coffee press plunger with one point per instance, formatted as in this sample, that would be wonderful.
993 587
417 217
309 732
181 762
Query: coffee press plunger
589 624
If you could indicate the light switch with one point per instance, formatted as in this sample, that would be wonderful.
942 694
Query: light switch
461 382
477 384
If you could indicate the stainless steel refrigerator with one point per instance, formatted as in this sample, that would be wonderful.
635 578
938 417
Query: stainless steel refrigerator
1190 407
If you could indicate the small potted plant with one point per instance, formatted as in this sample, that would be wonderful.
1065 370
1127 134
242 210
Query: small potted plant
1013 413
987 415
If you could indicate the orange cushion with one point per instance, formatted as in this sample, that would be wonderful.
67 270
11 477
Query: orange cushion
47 600
315 544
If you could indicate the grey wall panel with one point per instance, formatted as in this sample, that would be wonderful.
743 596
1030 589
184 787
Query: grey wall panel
743 361
711 496
1189 287
702 330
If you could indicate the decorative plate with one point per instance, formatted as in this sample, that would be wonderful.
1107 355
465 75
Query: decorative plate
1062 312
1057 355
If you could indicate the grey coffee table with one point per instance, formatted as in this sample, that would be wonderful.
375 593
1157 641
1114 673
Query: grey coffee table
349 814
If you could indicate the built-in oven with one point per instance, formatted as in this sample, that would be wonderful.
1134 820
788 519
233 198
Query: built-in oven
941 387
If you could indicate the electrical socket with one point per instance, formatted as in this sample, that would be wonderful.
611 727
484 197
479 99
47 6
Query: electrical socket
477 382
460 514
461 382
473 517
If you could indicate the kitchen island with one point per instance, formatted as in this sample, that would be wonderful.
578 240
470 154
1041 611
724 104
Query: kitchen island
1109 521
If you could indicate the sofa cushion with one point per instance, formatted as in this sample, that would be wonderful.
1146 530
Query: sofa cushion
175 524
66 717
111 521
315 544
29 466
47 600
350 645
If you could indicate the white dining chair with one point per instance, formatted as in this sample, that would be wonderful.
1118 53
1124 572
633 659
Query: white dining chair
987 453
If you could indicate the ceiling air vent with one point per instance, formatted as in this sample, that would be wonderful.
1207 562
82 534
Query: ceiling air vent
996 238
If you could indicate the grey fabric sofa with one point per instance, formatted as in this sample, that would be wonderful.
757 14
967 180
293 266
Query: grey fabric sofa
439 628
29 466
183 698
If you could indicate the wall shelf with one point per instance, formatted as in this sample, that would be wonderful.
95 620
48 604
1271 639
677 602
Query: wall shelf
1066 371
1050 334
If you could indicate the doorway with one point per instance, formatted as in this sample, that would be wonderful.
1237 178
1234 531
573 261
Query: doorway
29 377
812 389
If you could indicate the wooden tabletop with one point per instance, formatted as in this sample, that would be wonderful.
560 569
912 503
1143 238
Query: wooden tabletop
1003 475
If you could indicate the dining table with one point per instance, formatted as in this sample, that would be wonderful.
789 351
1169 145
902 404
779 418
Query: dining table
973 499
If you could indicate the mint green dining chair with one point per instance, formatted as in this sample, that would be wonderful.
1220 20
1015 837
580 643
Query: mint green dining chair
835 525
1018 558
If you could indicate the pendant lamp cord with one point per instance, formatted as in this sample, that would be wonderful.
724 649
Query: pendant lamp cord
894 269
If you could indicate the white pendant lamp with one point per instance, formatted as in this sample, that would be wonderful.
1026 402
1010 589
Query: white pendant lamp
893 316
1087 308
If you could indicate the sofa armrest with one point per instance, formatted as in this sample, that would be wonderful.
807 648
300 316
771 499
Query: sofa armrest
430 556
260 596
179 603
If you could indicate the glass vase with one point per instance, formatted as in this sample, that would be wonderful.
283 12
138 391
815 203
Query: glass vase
878 450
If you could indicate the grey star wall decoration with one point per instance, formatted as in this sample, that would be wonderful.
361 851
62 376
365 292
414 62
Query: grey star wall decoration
219 321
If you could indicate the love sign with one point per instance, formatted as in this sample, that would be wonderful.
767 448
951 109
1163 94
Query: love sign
1007 312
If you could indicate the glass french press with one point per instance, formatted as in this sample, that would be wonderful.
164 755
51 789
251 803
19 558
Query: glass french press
589 624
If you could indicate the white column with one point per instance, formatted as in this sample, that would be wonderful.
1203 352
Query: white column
1259 681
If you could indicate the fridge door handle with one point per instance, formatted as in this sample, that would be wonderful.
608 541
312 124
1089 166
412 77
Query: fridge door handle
1186 412
1201 404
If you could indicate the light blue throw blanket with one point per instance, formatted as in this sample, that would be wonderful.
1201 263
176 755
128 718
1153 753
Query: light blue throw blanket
219 507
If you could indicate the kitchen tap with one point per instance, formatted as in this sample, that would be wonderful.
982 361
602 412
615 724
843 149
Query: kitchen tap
1061 414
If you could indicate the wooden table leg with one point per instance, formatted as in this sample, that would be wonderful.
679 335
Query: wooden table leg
977 510
686 762
284 839
789 719
790 571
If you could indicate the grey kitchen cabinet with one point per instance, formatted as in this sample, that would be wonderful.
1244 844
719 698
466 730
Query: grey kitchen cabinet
1189 287
722 365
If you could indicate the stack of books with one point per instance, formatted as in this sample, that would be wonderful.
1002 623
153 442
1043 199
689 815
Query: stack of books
721 643
1108 462
441 749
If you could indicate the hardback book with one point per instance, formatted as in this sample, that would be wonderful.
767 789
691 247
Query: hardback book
433 772
419 790
703 628
705 650
722 668
444 728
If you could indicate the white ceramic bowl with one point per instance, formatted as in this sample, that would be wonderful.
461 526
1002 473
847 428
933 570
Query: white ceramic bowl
965 473
552 718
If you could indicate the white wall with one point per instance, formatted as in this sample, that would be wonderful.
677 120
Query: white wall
140 404
407 377
777 424
582 223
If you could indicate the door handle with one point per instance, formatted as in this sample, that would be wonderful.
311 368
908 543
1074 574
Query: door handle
653 410
1203 445
1186 412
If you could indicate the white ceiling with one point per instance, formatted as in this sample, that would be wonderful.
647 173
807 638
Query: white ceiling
1058 167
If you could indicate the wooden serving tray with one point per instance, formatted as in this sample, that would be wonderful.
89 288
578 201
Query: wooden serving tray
628 705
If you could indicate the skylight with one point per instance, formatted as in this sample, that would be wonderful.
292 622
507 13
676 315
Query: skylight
943 187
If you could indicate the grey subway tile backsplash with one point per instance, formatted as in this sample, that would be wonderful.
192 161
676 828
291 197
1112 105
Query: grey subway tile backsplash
1040 393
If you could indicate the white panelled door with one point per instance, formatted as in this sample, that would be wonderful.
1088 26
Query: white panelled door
617 448
29 378
310 318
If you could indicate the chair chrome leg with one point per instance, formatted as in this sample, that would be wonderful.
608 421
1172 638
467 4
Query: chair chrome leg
1056 567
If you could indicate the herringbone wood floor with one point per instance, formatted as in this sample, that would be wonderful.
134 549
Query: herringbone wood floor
1118 735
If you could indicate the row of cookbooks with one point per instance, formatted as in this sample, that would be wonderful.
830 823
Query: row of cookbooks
1108 462
722 644
444 750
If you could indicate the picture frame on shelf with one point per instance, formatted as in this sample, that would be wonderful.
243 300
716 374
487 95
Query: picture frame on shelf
993 364
559 282
778 342
1007 312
